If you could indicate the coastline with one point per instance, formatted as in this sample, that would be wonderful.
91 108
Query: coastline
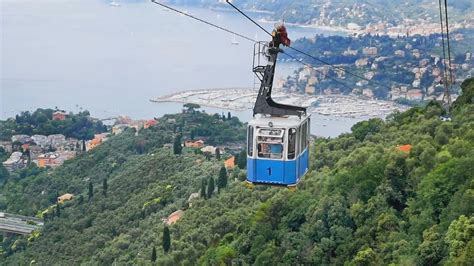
242 99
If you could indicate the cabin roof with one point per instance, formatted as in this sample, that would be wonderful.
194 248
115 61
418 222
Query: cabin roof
288 121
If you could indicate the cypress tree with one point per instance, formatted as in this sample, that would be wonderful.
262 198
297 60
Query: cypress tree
229 116
177 148
210 187
242 160
91 191
58 210
83 145
153 255
28 156
166 239
105 186
222 179
80 199
218 154
203 189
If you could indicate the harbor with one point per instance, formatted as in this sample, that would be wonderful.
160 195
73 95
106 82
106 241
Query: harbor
242 99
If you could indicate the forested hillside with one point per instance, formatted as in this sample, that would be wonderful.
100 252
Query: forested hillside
396 191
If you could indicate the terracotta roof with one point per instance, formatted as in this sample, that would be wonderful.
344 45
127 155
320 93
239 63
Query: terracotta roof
405 148
230 163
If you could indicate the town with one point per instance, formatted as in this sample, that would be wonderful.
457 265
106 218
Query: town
405 69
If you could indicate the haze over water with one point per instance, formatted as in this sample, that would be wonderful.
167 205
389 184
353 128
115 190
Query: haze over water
111 60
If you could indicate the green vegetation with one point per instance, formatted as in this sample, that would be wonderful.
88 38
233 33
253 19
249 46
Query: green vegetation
365 202
79 126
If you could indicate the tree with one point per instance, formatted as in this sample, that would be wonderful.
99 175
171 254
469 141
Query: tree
191 107
58 210
218 154
91 191
3 173
242 160
460 232
203 189
153 255
104 187
229 116
222 179
210 187
166 239
365 128
28 156
177 148
83 145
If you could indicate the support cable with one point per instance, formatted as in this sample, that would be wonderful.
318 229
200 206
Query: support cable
311 56
205 22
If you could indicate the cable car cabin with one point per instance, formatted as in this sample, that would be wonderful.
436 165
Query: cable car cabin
277 149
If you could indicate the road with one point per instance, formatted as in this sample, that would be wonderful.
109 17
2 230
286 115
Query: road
17 224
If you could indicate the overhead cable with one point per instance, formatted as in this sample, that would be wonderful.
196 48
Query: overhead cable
204 21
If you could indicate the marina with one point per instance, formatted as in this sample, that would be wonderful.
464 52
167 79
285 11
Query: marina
242 99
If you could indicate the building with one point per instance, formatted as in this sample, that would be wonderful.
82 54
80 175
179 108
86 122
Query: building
41 140
416 83
230 163
310 89
15 162
400 53
349 52
368 93
65 197
35 151
414 95
416 53
54 159
149 123
192 197
96 141
117 129
174 217
194 144
369 51
91 144
209 149
7 146
362 62
59 115
21 138
56 140
405 148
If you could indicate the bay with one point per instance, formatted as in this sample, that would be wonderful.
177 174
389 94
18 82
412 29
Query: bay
87 54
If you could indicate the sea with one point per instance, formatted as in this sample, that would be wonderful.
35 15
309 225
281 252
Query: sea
112 59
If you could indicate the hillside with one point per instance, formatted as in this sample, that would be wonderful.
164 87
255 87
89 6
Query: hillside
341 13
366 201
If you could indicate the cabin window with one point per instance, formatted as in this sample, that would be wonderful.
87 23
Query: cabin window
305 135
270 143
250 141
291 143
308 132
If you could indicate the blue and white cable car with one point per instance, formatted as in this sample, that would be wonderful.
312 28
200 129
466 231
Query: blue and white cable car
278 136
